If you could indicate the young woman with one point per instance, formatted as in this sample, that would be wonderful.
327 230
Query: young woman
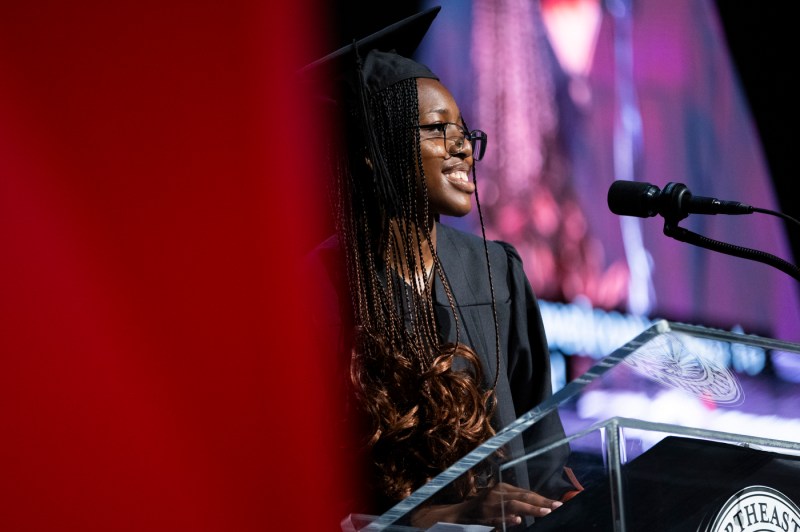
439 328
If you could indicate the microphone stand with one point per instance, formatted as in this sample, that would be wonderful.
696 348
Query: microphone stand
672 230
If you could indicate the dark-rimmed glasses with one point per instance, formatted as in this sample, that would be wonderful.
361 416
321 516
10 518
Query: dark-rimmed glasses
456 135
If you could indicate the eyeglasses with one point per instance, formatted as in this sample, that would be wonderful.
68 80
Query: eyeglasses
455 134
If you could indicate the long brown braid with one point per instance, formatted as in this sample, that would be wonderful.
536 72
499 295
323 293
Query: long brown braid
402 374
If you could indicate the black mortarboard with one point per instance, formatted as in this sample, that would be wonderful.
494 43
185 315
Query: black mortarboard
363 68
385 56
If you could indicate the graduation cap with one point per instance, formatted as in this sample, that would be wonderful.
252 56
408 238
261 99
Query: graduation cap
382 57
354 73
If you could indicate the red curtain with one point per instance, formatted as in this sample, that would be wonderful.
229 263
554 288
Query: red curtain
154 201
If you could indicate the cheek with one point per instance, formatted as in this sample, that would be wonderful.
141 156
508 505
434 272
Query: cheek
431 163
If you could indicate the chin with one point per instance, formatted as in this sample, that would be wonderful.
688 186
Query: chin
455 208
456 213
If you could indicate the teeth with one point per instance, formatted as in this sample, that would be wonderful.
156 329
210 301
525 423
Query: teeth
461 176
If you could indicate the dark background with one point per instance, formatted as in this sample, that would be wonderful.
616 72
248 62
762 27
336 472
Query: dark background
759 40
758 36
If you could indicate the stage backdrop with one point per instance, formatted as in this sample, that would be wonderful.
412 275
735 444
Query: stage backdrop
575 95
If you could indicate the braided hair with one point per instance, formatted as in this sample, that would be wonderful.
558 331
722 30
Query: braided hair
407 390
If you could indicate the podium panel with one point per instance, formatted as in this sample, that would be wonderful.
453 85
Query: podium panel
663 434
682 483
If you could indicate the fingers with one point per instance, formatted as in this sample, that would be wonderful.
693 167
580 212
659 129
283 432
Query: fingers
513 493
508 504
513 511
523 507
534 499
503 521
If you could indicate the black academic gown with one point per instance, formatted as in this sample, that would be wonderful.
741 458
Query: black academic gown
524 377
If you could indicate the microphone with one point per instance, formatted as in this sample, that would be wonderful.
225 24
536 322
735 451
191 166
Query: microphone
675 202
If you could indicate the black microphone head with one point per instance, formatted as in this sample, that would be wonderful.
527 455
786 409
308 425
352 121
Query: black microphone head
631 198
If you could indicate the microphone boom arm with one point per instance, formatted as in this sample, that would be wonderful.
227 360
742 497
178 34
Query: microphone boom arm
671 229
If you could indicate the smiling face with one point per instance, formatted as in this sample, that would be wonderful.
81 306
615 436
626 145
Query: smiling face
446 166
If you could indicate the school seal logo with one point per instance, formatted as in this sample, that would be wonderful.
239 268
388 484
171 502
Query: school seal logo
756 509
668 361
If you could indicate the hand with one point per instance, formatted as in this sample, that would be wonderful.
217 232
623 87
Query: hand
506 504
499 505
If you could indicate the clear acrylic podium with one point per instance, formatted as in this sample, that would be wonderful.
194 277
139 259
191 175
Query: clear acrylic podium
679 429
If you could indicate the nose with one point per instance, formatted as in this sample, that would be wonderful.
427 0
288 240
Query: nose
460 147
